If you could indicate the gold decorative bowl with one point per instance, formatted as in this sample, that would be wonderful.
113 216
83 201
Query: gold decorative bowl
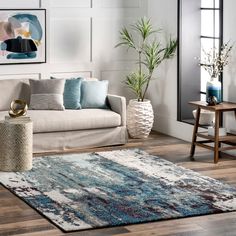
18 108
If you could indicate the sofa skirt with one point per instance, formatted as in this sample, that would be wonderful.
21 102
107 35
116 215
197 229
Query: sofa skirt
62 141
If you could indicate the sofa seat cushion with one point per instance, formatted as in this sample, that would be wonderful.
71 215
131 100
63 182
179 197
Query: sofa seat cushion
45 121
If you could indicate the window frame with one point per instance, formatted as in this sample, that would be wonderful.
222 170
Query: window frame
214 38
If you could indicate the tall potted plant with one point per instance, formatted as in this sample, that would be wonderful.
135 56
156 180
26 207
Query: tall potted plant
150 54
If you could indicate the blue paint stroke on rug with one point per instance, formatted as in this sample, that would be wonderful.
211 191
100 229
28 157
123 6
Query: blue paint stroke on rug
92 190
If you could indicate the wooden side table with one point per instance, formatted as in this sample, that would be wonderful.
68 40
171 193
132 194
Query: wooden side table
217 140
16 145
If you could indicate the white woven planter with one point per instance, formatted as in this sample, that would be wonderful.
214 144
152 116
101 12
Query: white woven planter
139 118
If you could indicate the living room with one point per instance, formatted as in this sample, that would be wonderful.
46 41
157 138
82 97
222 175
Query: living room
100 168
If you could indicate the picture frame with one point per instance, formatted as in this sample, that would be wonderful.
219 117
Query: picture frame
22 36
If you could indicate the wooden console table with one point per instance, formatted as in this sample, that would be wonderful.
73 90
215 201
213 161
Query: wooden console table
229 139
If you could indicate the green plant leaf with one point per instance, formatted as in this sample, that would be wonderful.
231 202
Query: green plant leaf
170 49
135 82
126 39
150 54
144 27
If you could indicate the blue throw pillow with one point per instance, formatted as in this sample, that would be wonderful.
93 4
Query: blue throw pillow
72 93
94 94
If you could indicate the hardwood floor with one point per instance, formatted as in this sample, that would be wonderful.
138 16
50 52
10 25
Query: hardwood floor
17 218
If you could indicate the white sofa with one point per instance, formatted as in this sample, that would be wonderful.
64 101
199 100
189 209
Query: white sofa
68 129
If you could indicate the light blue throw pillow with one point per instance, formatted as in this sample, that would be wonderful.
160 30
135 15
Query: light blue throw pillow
94 94
72 93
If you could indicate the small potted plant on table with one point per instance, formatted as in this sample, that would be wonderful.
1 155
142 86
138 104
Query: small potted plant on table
214 62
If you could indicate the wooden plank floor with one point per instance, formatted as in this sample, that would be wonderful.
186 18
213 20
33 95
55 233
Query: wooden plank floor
17 218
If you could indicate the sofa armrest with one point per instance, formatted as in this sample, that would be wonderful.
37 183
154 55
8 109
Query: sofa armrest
118 105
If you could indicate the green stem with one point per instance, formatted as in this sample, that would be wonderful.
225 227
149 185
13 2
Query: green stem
140 73
147 85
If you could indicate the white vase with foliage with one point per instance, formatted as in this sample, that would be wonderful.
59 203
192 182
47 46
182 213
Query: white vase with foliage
142 38
214 62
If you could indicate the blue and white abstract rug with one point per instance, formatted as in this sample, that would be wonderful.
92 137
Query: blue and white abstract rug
92 190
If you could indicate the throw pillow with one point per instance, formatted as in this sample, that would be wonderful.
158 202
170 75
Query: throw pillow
94 94
47 94
72 93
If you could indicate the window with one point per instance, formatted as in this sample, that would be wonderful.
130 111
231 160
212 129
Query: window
211 34
200 27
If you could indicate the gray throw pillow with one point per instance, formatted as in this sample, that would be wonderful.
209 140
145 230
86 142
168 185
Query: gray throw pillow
47 94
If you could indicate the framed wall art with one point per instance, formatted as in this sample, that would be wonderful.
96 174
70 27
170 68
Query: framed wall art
22 36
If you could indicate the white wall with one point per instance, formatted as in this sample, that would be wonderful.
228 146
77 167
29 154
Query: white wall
230 71
81 35
91 27
163 90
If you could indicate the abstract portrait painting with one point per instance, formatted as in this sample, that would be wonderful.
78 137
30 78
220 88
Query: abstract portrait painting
22 36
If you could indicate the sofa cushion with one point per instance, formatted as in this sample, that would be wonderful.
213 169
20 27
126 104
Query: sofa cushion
47 94
72 93
11 89
68 120
94 94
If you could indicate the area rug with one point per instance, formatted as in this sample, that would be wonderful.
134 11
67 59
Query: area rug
92 190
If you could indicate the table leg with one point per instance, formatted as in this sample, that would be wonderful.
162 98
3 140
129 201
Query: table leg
220 125
216 145
194 138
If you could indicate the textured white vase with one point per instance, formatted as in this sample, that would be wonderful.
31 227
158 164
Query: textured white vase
139 118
